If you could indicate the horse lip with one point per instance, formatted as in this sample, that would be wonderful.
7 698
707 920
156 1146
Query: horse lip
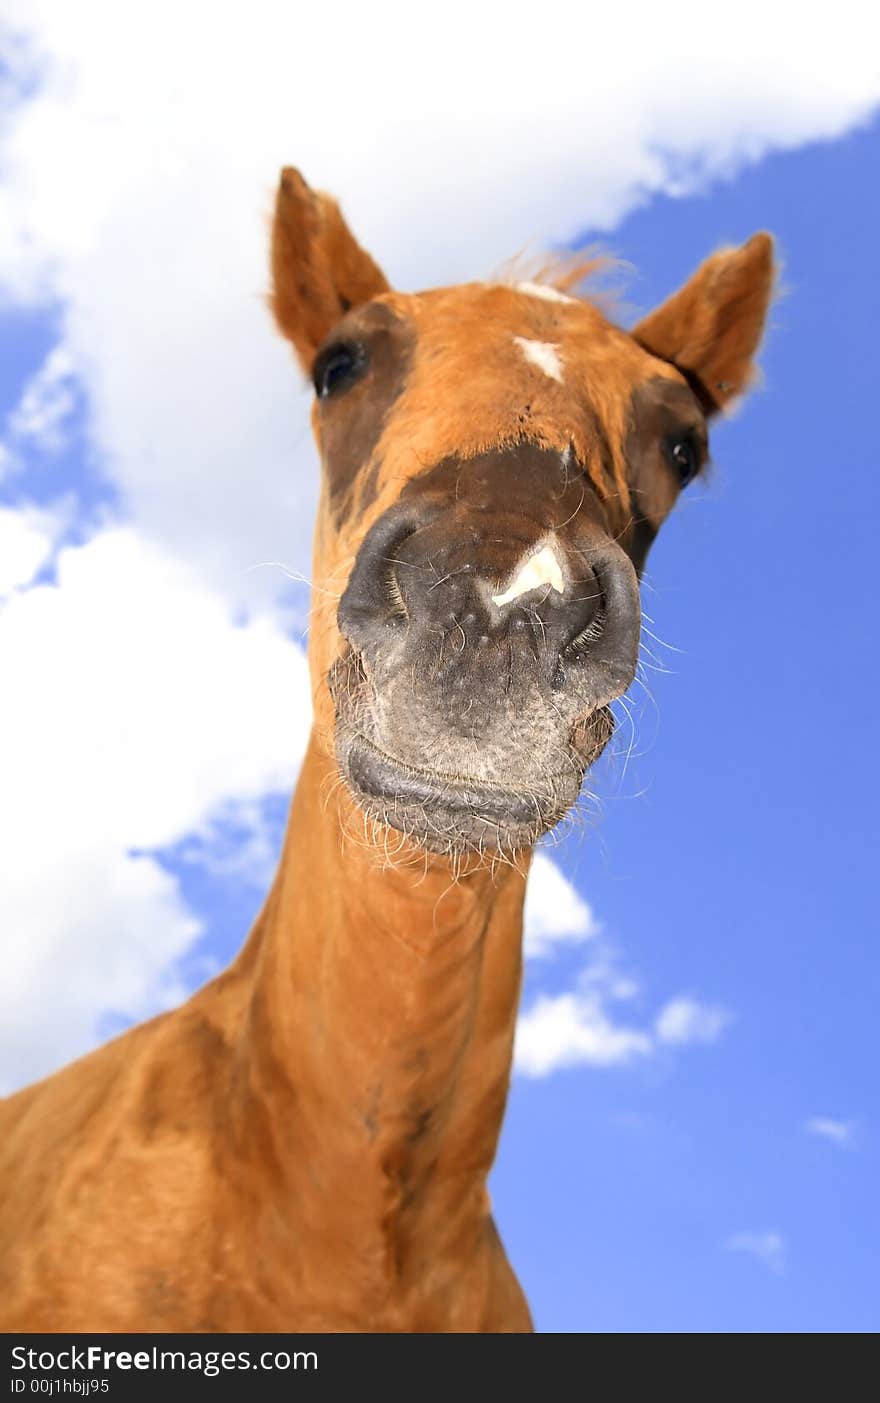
382 777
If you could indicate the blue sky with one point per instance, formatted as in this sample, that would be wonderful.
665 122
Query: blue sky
738 853
710 1161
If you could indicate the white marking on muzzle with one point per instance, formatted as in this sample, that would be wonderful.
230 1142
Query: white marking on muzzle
542 568
543 354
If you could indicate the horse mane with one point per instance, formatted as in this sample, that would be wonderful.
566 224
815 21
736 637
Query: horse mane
583 273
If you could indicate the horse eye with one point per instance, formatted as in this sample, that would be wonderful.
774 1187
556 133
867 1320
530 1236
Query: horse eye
683 456
337 366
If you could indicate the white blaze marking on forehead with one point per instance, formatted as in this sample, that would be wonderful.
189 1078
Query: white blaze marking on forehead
543 354
548 294
541 568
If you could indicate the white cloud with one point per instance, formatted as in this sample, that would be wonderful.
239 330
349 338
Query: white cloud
684 1020
27 538
136 182
133 710
96 932
555 911
573 1029
766 1247
580 1027
139 175
576 1027
839 1132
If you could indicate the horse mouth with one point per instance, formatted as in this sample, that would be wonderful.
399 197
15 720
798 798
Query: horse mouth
408 766
447 813
443 811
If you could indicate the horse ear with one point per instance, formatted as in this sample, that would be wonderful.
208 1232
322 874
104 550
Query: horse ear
319 270
711 327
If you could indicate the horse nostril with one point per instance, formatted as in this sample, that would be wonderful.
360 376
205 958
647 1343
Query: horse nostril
605 649
580 644
397 604
596 648
374 595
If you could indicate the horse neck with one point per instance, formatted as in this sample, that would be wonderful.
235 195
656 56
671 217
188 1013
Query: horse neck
381 1013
